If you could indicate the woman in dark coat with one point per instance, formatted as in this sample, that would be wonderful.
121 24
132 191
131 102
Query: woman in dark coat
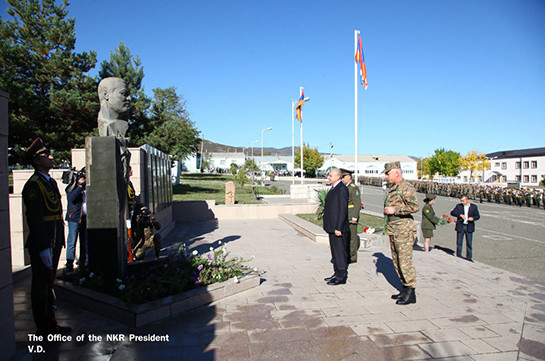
429 220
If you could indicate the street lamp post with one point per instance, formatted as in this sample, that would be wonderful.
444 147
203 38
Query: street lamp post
254 141
263 130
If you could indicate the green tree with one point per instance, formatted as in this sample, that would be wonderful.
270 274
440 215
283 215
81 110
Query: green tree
241 177
51 93
174 133
312 159
444 162
233 168
124 65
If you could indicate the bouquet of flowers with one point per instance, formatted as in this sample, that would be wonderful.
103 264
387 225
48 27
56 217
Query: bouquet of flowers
444 219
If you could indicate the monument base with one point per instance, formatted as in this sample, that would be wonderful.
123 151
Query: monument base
106 206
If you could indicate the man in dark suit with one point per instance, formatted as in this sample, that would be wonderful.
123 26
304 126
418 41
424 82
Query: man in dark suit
466 214
336 225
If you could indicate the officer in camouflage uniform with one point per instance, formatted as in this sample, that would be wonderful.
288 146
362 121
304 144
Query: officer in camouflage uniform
45 240
354 207
400 202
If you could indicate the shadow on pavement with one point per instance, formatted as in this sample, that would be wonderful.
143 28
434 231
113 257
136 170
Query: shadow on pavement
446 250
385 266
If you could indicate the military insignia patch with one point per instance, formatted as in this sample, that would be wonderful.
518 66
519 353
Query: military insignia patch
427 211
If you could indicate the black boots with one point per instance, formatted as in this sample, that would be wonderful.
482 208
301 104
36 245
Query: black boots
400 294
408 297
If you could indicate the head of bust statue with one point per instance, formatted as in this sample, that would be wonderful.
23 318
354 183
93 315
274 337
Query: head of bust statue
114 96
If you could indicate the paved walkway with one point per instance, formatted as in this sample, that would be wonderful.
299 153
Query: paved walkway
464 311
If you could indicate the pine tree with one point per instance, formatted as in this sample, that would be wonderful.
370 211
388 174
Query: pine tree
123 65
174 133
51 94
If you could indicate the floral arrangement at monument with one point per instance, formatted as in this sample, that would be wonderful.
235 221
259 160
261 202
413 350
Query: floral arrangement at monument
178 272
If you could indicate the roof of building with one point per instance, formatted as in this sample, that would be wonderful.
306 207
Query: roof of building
518 153
227 155
373 158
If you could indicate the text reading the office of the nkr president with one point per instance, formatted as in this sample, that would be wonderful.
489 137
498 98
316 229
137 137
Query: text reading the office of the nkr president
114 337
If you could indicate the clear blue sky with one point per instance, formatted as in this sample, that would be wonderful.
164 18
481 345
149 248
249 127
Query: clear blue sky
463 75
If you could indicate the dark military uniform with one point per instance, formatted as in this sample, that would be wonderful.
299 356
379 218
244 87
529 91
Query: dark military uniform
354 207
42 200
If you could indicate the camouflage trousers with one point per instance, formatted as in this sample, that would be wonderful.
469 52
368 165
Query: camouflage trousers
353 244
402 257
152 242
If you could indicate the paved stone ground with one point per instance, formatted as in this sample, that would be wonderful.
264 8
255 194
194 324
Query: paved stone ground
464 311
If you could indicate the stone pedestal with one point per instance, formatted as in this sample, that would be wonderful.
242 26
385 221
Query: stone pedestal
106 204
230 193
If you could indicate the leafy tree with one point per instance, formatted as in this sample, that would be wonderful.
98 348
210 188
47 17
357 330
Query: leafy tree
312 159
250 165
124 65
241 178
233 168
474 161
542 181
174 132
444 162
51 94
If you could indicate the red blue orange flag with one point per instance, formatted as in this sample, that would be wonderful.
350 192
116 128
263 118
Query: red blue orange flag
299 106
361 60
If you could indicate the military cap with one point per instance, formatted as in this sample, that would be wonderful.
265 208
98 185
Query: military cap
430 196
392 165
36 148
346 172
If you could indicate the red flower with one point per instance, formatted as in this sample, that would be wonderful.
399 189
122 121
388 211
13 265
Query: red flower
449 220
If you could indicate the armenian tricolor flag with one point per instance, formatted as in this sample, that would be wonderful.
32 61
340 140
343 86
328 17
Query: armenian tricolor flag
299 106
361 60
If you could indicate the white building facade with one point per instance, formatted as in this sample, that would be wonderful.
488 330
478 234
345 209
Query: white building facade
370 165
526 166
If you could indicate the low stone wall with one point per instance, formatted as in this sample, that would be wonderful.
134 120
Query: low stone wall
306 191
191 211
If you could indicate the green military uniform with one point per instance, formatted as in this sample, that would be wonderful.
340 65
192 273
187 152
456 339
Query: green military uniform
429 219
354 207
401 229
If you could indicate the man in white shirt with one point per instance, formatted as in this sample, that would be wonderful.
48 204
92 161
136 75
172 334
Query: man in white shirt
466 214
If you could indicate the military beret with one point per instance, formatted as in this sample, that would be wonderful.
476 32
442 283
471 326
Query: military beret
392 165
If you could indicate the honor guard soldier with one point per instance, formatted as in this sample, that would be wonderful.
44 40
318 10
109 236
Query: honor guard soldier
354 208
45 240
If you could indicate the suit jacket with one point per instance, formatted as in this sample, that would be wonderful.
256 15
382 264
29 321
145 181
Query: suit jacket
336 209
75 205
473 211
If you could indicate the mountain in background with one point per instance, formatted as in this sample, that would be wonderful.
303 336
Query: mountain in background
212 147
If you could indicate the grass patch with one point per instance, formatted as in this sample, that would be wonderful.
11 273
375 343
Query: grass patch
205 186
365 221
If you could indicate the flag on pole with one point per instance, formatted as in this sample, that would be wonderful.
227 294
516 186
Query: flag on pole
361 60
299 106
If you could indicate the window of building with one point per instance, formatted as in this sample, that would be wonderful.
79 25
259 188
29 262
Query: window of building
497 164
465 179
526 179
517 178
526 165
504 178
534 164
504 165
534 178
517 165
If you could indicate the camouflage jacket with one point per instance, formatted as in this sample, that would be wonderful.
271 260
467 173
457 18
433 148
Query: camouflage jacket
402 197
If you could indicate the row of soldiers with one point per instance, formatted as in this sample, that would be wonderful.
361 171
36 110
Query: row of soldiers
529 197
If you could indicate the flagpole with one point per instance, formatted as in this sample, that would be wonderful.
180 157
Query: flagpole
301 121
292 141
356 33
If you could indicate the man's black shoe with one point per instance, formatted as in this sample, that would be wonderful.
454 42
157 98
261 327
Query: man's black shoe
400 294
329 278
335 282
408 297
